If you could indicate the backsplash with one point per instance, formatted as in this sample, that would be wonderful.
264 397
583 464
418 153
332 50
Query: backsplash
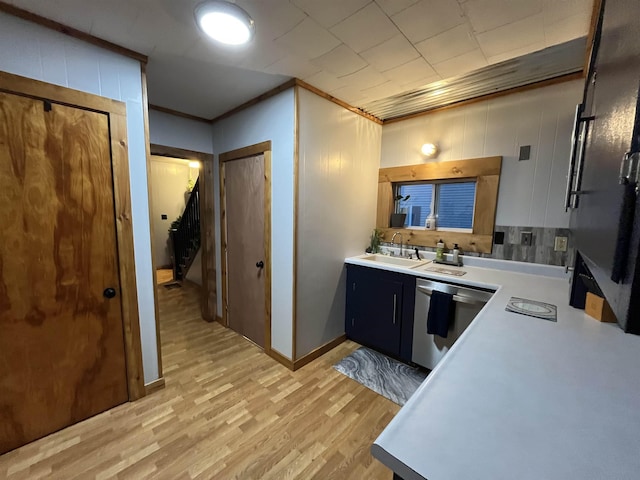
541 249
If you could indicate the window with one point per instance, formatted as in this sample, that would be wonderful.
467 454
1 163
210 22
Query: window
463 194
452 202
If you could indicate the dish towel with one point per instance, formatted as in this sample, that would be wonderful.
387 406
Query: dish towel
442 309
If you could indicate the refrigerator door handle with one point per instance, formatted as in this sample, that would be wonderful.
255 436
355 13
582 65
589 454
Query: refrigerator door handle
572 157
625 230
630 169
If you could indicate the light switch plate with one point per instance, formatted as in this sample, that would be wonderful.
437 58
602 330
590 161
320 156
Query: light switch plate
560 244
526 238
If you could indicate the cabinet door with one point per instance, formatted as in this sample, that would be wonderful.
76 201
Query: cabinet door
606 224
374 309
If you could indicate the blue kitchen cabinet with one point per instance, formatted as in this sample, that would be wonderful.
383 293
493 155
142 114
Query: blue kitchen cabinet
379 310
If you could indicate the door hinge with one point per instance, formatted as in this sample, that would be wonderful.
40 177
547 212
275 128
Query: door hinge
353 287
629 171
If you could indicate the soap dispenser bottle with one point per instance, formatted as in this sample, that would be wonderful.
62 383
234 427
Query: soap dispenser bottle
430 223
440 251
456 254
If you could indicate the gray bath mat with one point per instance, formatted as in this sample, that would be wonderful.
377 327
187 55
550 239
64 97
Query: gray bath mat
385 376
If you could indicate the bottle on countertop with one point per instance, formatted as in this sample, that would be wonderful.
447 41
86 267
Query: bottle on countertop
430 223
440 251
456 253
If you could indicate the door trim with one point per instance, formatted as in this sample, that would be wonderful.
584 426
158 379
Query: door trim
263 148
208 301
116 115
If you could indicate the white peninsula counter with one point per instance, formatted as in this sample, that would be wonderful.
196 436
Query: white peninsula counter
521 398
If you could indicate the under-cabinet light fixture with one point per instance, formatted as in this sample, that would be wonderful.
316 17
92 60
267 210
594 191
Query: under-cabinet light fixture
225 22
194 164
429 150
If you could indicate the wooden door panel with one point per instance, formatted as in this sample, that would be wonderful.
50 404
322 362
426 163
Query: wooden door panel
244 192
61 347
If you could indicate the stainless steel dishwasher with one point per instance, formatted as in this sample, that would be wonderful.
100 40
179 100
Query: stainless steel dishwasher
429 349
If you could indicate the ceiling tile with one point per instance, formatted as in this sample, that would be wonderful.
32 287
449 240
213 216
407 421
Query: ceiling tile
177 78
365 78
391 7
340 61
464 63
325 81
383 90
349 94
76 13
308 39
260 55
428 18
392 53
449 44
512 36
293 66
518 52
115 22
567 29
417 70
329 12
487 15
365 29
555 10
273 18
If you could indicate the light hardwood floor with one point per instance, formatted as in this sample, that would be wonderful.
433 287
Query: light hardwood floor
228 412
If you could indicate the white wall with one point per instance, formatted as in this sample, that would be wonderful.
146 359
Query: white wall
531 192
338 187
179 132
169 179
272 120
36 52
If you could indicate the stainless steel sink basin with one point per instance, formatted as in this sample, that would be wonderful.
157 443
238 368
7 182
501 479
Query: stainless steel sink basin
401 262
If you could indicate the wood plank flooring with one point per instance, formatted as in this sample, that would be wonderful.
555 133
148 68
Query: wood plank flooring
228 412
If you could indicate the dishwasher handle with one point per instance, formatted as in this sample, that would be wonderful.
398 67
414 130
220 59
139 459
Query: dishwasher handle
456 298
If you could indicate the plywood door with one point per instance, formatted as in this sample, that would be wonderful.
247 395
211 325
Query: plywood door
61 340
244 202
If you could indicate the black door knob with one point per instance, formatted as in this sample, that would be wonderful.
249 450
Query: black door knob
109 292
260 264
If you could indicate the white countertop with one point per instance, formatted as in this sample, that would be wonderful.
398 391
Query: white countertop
519 397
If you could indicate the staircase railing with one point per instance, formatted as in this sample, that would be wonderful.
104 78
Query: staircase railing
186 237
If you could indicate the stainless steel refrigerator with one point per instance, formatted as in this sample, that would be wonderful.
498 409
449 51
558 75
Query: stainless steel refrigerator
603 178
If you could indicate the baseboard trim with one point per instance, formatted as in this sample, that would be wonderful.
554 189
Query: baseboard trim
318 352
220 320
154 386
278 357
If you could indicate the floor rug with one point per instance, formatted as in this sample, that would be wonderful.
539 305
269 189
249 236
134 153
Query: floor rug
385 376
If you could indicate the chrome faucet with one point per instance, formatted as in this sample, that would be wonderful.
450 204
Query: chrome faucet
393 240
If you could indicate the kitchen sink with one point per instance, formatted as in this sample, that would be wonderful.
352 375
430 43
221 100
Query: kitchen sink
401 262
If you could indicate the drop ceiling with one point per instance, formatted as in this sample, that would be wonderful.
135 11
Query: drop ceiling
374 55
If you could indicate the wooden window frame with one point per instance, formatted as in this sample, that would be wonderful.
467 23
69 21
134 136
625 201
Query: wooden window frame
484 171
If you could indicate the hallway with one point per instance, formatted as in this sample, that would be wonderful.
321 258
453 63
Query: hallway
227 411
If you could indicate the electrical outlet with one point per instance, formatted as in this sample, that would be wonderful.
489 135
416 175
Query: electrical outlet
560 244
526 238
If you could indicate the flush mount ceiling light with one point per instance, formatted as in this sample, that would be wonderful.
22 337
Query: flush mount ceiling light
429 149
225 22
